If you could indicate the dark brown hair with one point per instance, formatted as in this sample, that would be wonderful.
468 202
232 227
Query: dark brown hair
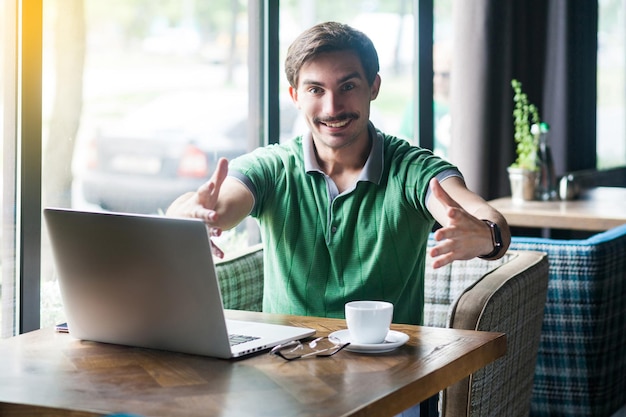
330 37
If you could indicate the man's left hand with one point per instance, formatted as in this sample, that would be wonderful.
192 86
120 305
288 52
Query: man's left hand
462 235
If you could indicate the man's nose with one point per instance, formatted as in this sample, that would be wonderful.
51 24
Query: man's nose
332 103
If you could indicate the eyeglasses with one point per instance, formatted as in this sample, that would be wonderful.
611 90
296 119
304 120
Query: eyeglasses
322 347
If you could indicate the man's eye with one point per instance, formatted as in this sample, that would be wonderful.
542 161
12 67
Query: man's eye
315 90
348 87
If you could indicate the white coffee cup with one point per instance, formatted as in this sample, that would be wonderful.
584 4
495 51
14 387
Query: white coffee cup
368 321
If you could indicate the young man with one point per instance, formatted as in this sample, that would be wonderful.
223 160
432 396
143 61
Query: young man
345 211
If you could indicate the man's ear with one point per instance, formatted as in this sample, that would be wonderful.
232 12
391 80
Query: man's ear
375 88
293 92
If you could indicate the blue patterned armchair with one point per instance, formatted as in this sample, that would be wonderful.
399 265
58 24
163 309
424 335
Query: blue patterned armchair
581 364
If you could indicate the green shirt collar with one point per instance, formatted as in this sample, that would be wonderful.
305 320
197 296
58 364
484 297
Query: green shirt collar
373 168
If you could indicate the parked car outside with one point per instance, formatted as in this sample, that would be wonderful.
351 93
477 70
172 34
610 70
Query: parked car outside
161 151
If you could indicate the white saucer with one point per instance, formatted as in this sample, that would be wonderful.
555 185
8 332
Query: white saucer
393 340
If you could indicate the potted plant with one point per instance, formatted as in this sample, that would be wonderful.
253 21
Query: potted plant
527 128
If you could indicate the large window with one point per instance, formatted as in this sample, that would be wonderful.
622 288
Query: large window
7 162
141 98
611 110
138 100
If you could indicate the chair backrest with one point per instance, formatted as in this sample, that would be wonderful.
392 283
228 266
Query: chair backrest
611 177
443 286
581 365
241 279
572 183
506 296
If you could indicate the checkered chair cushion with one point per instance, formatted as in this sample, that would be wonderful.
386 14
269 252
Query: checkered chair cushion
241 279
581 366
441 290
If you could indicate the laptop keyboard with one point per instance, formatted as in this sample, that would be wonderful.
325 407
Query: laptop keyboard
236 339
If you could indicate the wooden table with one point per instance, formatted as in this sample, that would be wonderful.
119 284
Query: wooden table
44 373
597 209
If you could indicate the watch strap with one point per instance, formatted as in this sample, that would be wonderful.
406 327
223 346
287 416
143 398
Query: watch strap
496 239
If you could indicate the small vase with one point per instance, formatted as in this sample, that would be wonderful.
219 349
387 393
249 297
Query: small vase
523 184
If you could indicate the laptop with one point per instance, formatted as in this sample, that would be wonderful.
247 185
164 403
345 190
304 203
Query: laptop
149 281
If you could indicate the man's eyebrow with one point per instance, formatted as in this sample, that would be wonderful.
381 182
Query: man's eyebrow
343 79
350 76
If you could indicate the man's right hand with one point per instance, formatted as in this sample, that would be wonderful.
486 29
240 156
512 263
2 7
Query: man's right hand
207 195
202 203
221 203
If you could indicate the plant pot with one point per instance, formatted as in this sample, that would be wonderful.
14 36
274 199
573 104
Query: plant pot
523 184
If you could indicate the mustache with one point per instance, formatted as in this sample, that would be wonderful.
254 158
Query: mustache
338 118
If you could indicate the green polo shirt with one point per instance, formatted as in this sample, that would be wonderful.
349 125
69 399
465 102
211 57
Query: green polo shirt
322 248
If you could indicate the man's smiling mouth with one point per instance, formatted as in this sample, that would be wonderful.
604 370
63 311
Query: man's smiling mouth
341 123
338 122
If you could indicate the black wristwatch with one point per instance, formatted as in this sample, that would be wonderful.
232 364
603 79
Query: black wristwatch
496 238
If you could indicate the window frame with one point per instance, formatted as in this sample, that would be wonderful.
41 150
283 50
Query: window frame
29 157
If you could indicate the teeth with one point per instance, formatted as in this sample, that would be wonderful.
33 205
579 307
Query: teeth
337 124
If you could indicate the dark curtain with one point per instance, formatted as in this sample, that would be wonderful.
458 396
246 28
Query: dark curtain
550 46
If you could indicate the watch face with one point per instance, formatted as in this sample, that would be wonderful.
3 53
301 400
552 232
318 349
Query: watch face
497 237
